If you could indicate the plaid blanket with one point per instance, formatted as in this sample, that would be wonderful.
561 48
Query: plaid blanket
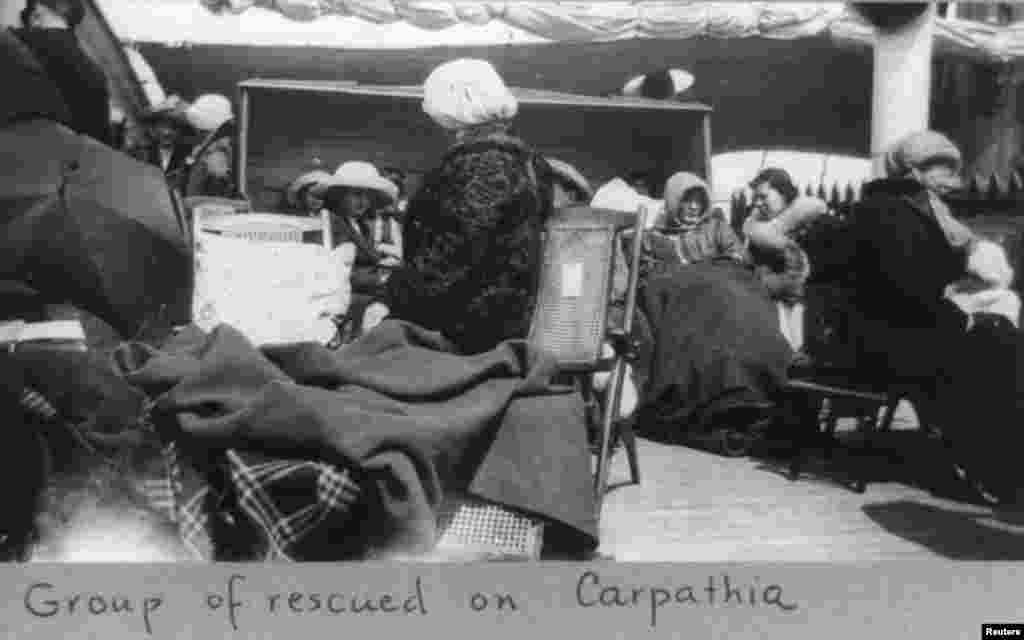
276 509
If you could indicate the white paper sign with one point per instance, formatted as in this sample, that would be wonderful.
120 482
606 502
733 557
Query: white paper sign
572 280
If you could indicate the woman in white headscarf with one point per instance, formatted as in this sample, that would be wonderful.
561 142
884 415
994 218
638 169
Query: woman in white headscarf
472 234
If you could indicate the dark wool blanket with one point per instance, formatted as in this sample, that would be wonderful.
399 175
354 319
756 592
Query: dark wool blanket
414 419
717 346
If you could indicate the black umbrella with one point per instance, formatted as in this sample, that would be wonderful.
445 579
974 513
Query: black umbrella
85 224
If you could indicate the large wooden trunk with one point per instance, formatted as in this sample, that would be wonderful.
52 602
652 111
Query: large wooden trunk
288 127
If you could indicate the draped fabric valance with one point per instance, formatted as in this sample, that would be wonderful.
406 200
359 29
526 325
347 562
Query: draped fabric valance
409 24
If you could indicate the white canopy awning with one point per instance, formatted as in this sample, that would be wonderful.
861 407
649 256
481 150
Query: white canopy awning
407 24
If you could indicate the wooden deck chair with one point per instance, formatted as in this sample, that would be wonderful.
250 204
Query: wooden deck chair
831 387
571 317
274 277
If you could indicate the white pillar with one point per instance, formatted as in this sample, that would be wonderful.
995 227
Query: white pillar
10 11
902 84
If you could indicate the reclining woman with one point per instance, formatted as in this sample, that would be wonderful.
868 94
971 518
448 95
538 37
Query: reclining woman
473 230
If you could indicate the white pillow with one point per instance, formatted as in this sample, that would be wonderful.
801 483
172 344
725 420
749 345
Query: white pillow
272 292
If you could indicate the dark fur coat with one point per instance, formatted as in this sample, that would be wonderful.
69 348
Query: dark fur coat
473 243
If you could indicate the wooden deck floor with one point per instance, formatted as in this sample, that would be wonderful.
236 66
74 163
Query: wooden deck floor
697 506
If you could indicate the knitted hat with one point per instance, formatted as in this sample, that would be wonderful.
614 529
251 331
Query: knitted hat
919 149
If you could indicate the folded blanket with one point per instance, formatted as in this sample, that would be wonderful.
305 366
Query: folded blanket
413 419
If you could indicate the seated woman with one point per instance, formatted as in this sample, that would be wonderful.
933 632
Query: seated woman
208 168
473 230
774 234
716 356
903 250
353 195
696 231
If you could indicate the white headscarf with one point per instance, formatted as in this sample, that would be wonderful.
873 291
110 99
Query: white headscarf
466 92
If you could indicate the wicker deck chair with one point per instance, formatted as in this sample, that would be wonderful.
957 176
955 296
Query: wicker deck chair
571 317
570 323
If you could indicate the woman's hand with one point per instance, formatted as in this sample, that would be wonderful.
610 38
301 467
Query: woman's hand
987 261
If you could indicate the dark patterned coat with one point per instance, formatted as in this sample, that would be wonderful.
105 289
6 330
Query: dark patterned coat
473 243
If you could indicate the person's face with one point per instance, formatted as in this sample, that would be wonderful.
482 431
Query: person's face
312 202
940 179
562 196
768 202
691 207
166 134
356 202
218 164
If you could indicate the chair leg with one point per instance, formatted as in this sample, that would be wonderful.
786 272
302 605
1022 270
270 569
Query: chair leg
793 415
625 429
831 424
604 450
890 412
867 425
608 420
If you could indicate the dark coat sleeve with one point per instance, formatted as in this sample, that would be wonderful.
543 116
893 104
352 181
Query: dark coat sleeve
889 262
81 81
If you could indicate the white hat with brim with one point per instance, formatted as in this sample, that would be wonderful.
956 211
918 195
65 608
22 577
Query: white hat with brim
360 175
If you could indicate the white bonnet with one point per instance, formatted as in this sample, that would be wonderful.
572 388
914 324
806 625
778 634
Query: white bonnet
467 92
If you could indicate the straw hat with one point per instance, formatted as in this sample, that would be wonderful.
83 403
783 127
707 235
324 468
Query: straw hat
304 181
360 175
568 173
209 112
